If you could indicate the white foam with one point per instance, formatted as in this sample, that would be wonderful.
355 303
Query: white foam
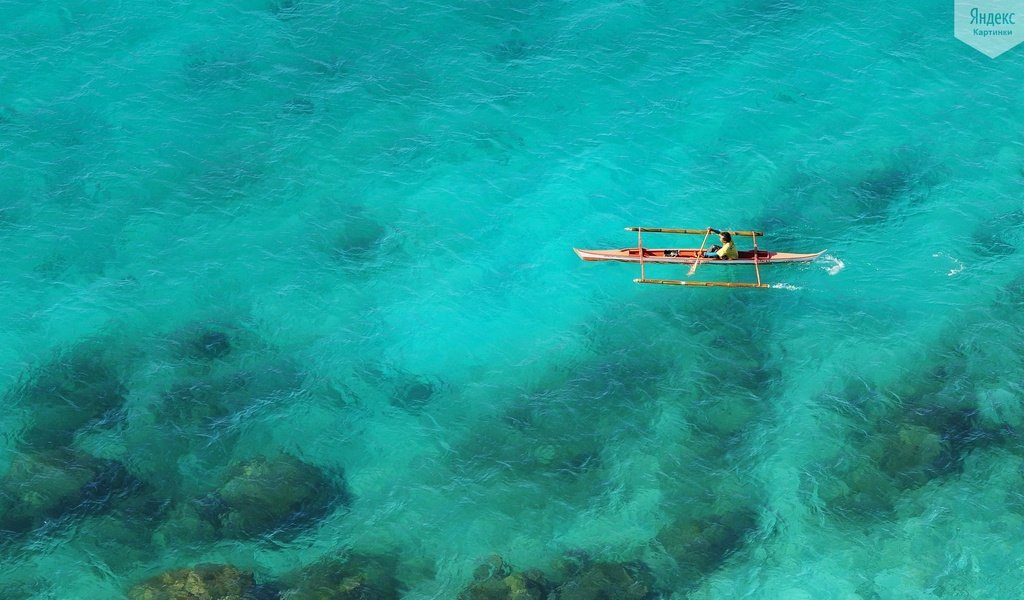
786 286
835 265
958 266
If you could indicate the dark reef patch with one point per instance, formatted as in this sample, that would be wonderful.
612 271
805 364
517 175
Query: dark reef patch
298 105
955 400
996 237
960 432
576 577
351 577
207 68
202 417
414 395
199 401
286 9
202 582
7 115
47 488
76 388
497 580
375 382
880 188
353 241
277 497
830 200
905 179
700 545
550 445
900 449
510 50
228 178
601 580
210 344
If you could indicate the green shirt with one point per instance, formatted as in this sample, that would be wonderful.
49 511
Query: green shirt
728 250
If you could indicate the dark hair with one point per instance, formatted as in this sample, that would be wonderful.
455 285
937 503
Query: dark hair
726 236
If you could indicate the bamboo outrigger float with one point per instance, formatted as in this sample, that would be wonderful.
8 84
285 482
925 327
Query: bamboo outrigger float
694 257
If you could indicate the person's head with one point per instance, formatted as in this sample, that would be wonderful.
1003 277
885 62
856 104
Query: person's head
725 236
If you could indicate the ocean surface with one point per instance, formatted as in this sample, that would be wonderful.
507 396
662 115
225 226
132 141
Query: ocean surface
291 280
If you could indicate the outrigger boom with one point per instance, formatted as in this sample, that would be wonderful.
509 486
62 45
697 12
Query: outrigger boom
702 283
690 231
694 257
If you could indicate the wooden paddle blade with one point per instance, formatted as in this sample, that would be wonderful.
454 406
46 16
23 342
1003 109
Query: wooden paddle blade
700 255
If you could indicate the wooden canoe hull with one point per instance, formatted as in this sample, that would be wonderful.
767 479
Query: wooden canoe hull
688 256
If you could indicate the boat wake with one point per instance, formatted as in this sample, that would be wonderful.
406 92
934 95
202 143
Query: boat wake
786 286
955 270
835 265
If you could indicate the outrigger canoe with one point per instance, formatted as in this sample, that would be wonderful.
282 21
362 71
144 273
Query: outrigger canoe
694 257
689 256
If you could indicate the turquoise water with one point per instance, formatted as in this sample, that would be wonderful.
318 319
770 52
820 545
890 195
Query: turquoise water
342 233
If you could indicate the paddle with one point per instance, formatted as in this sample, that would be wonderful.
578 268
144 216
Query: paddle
700 253
757 269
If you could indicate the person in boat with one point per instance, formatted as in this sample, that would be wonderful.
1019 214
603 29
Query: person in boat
727 250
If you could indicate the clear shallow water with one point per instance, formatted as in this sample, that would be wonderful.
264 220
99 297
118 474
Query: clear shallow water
343 234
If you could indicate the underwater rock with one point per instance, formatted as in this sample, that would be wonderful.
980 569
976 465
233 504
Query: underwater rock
960 434
122 533
40 486
623 581
989 240
184 525
201 341
572 461
7 114
202 582
730 415
22 591
999 408
199 419
411 392
264 591
285 9
908 455
202 399
356 577
495 580
262 496
879 188
207 67
358 238
865 491
493 566
66 395
565 458
210 345
299 106
510 50
538 442
904 455
48 485
701 546
414 395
